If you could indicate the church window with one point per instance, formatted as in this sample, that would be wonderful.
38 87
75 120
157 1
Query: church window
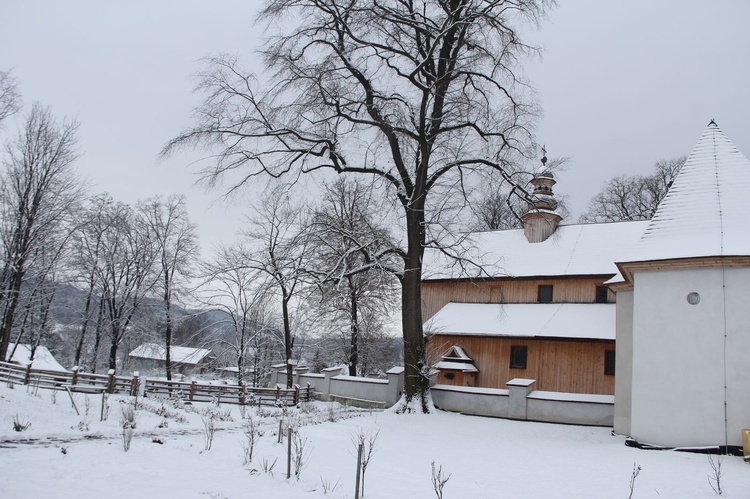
518 357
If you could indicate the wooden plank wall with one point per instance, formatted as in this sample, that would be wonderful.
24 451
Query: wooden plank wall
437 294
556 365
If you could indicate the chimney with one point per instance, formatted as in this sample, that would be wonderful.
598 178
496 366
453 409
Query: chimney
542 219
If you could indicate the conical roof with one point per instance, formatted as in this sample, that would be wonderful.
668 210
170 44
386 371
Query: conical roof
707 210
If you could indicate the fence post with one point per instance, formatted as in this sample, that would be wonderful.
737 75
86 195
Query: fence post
278 393
75 375
309 392
289 453
134 384
359 471
111 381
296 394
27 377
192 389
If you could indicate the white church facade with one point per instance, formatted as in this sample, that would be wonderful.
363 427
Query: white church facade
679 292
683 308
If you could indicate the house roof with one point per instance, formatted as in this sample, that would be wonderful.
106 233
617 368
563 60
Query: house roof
581 249
182 355
526 320
43 358
705 212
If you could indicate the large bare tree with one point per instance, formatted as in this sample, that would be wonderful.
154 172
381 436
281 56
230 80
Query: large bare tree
277 252
176 244
347 235
39 190
124 266
417 93
634 197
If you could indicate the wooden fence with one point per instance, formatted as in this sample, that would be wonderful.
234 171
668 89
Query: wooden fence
76 381
234 394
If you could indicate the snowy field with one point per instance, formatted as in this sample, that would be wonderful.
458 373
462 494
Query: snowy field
63 455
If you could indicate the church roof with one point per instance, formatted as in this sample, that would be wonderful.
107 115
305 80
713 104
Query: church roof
526 320
581 249
705 212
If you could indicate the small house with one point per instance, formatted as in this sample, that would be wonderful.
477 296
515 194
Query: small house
185 360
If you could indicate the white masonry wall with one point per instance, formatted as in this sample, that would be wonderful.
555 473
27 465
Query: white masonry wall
623 362
681 360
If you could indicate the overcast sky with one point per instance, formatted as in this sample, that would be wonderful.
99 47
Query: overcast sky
622 83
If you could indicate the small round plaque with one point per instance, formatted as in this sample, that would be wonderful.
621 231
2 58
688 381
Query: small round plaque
693 298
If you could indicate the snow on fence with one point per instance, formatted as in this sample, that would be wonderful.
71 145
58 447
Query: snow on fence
520 401
73 380
76 381
234 394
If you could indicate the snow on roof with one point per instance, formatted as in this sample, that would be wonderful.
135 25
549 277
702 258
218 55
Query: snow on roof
705 210
183 355
456 353
466 367
581 249
532 320
43 358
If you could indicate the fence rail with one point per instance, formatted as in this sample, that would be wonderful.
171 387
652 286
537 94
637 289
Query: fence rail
76 381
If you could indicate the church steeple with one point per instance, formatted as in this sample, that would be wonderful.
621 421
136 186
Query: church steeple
542 219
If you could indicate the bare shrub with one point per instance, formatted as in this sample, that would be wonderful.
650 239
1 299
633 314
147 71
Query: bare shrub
714 478
208 417
19 424
633 476
367 441
83 425
268 466
128 422
300 453
332 413
439 479
251 433
328 485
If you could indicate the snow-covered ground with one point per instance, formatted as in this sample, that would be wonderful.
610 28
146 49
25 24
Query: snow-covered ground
63 455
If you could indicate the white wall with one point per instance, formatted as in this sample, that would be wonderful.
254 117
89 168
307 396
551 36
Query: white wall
679 356
738 352
623 362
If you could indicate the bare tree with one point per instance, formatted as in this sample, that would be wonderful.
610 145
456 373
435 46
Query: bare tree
10 99
39 189
124 270
176 243
344 238
93 222
228 284
633 197
277 252
419 94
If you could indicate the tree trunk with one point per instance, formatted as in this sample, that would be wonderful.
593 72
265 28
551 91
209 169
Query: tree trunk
416 381
84 326
354 352
168 332
287 341
10 309
113 347
97 335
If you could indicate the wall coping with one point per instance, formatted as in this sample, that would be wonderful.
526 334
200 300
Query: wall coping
358 379
572 397
521 382
472 389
